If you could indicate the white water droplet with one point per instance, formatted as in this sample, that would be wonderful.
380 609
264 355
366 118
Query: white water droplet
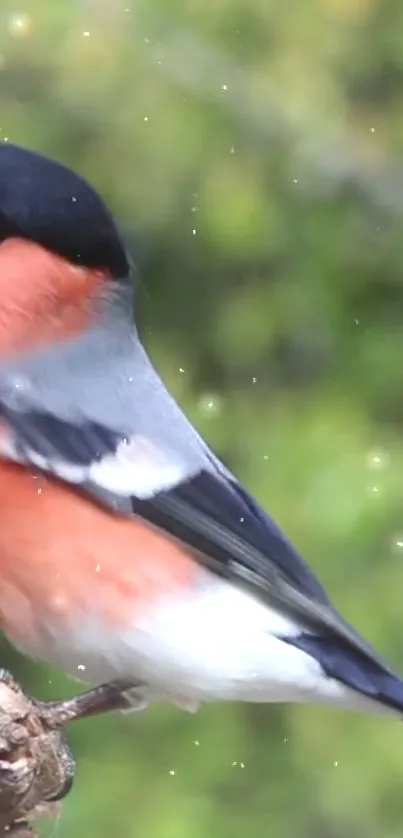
397 544
210 404
377 459
20 25
20 383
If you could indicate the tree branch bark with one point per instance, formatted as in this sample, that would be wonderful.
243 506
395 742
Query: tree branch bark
36 765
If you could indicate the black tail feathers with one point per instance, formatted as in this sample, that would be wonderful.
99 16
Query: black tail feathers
345 664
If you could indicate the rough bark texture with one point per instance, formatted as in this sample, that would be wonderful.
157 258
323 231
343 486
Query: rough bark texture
36 766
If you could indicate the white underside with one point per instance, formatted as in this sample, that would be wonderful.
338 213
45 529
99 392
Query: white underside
217 644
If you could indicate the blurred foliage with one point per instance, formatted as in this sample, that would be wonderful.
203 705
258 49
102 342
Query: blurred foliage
253 152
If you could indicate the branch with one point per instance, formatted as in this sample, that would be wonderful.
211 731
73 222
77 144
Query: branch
36 765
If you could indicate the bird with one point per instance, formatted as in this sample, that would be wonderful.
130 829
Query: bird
128 549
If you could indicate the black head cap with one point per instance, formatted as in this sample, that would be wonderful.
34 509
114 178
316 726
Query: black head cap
45 202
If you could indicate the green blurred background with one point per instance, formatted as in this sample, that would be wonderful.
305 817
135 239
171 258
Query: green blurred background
253 153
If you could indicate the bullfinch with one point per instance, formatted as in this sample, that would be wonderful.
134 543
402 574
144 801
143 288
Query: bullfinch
128 551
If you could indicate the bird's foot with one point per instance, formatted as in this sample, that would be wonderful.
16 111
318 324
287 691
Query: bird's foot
106 698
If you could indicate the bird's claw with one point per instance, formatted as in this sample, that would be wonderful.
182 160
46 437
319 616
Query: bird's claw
106 698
